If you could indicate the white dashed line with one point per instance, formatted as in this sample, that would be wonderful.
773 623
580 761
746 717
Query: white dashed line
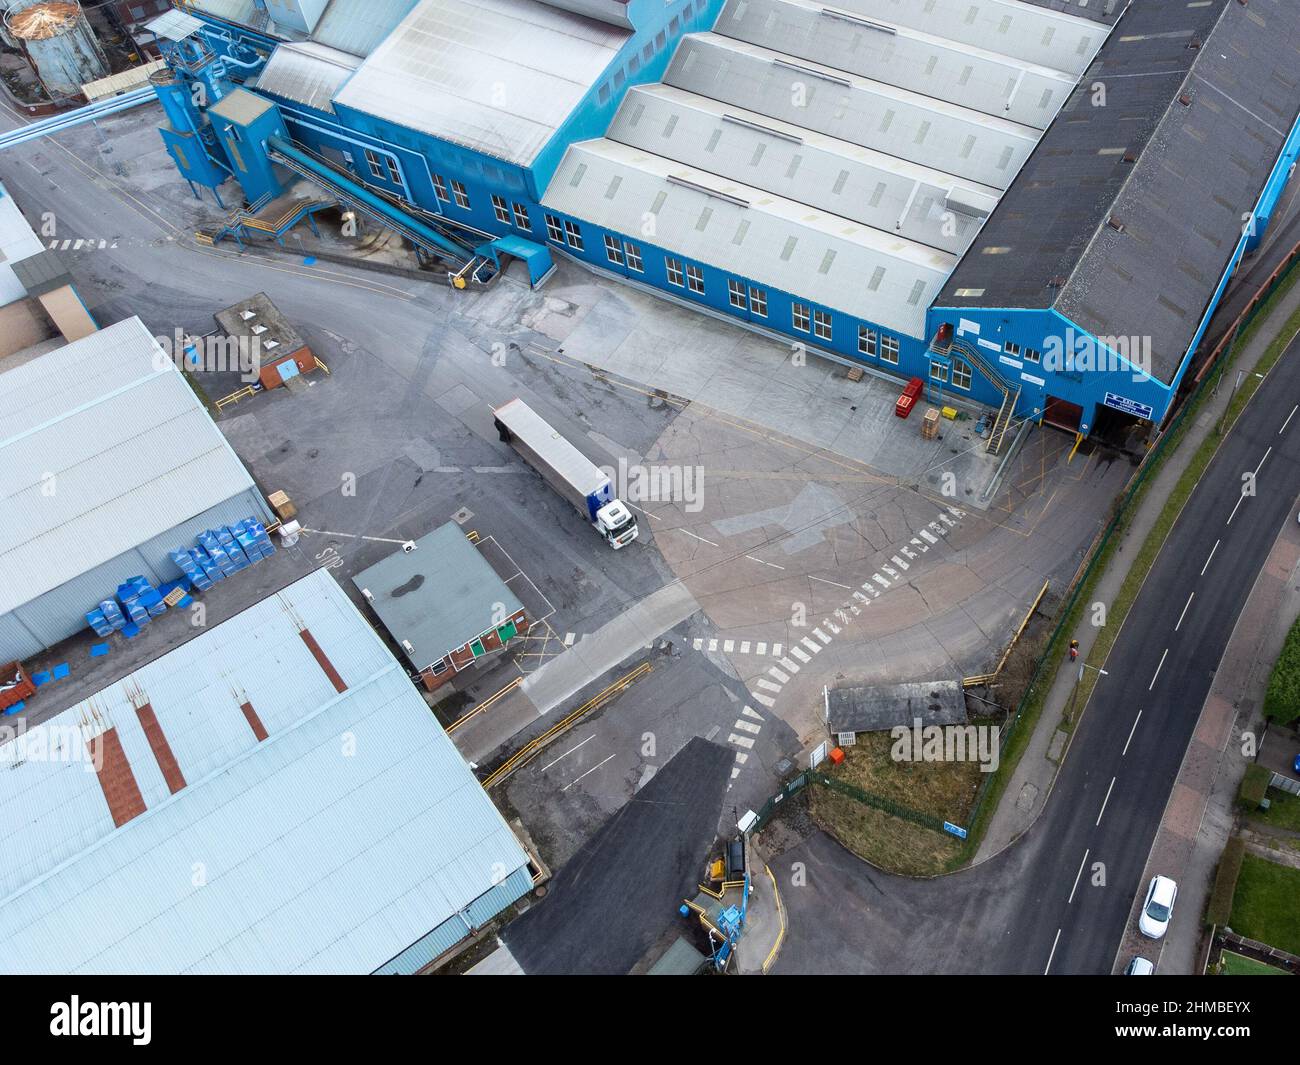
928 537
1288 419
1053 954
1076 878
741 741
728 646
1158 668
762 563
899 562
1211 555
767 685
789 666
782 677
700 538
822 636
1130 734
1240 499
1263 460
761 649
587 773
760 697
1184 613
800 655
566 753
749 711
1105 801
747 726
812 645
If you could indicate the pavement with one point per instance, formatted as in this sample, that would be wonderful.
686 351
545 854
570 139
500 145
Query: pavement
1031 784
1201 811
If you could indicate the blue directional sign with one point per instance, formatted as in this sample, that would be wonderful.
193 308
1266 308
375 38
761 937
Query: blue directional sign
1128 406
955 830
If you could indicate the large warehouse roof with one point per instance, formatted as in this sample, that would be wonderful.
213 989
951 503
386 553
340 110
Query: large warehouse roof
307 72
330 845
1127 214
497 76
103 445
17 242
849 153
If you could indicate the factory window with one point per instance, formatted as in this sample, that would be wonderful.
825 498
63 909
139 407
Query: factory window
736 293
822 325
888 349
938 372
235 154
633 256
376 167
800 315
458 191
633 65
603 94
1011 349
960 374
695 279
394 174
440 188
660 41
573 233
648 51
674 26
866 341
758 301
553 229
613 250
674 268
500 209
619 79
1033 356
521 216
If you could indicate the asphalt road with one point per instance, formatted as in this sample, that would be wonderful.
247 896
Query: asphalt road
1125 758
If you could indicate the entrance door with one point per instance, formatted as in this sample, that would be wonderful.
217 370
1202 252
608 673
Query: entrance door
1063 414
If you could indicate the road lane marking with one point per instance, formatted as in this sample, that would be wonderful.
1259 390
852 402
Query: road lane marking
821 636
587 773
1130 734
1288 419
1076 878
812 645
1053 954
700 538
825 581
767 685
1105 801
782 677
762 563
1158 668
749 711
789 666
1207 561
1234 509
567 753
741 741
744 647
1184 613
728 646
747 726
800 655
925 535
1263 460
759 697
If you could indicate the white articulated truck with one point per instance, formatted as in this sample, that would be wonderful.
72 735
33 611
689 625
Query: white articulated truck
567 470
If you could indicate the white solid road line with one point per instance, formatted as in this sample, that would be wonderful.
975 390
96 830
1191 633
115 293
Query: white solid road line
1105 801
567 753
587 773
1130 734
700 538
761 562
825 581
1053 954
1207 561
1288 419
1184 613
1158 668
1076 878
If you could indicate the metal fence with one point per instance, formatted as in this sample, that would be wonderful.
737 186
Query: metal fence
867 798
1285 784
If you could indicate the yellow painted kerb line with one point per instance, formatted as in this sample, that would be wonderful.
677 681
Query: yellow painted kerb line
780 909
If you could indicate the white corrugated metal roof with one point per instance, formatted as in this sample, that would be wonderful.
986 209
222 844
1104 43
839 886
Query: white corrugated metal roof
174 25
104 447
498 76
330 847
950 70
309 73
895 121
359 26
17 242
832 175
1009 27
877 276
117 84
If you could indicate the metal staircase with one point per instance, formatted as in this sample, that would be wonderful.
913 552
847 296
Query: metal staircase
254 218
1010 391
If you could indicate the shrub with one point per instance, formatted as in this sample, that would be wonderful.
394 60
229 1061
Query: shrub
1254 785
1282 703
1225 882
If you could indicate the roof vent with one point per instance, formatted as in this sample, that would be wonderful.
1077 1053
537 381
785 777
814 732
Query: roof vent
1194 44
1115 224
1185 100
1130 156
1056 282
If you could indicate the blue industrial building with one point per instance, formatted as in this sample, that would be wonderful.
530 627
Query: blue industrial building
980 193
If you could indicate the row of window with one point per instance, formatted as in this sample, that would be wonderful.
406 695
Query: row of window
657 44
458 193
1028 354
383 166
961 373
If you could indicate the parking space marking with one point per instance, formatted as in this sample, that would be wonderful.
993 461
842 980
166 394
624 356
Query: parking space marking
566 753
587 773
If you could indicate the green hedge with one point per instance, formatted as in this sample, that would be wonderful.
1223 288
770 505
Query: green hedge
1282 703
1254 785
1225 882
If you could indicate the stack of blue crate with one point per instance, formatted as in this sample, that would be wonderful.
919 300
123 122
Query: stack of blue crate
140 599
107 618
251 536
189 566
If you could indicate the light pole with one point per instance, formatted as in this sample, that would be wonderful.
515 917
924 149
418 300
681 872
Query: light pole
1074 695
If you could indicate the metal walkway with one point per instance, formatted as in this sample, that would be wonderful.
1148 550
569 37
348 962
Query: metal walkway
47 127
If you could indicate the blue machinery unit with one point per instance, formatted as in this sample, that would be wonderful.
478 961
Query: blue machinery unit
722 904
218 130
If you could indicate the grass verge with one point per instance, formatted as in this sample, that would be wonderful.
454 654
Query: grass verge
1034 703
885 841
1283 810
1264 908
1237 965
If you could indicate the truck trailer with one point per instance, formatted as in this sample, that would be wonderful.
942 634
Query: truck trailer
567 470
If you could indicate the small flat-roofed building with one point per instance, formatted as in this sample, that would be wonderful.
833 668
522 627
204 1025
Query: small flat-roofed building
443 604
266 341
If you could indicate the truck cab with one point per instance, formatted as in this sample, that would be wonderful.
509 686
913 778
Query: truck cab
616 524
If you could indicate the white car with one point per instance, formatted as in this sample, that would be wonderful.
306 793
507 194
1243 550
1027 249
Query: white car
1139 967
1158 908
